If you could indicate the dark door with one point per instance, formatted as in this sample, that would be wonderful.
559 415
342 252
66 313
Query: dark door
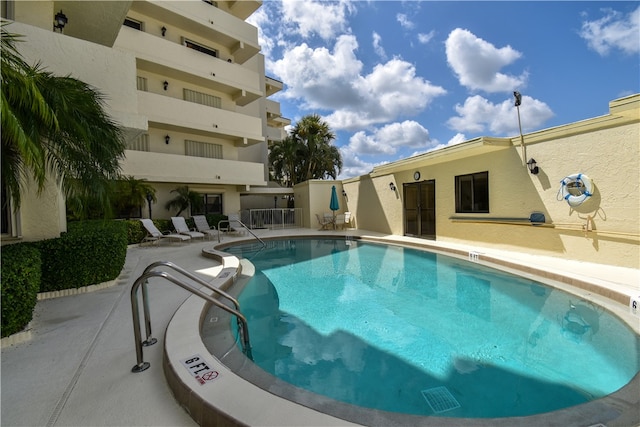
420 209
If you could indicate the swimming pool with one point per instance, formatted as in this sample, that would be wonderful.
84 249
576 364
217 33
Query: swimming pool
424 333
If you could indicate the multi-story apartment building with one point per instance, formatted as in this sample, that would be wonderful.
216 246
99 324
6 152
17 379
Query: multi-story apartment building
184 78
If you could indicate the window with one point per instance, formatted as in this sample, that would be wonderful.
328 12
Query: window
132 23
212 204
200 48
202 149
202 98
472 193
141 143
141 83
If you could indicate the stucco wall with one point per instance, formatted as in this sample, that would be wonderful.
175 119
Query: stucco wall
605 149
314 197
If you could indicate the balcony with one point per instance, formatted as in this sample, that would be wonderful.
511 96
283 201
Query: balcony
160 56
173 168
168 113
209 22
272 86
244 8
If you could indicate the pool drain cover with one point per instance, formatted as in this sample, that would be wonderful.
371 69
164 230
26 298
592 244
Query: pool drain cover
440 399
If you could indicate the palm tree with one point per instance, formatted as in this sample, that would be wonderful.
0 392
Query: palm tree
185 198
54 125
131 195
283 156
307 153
316 137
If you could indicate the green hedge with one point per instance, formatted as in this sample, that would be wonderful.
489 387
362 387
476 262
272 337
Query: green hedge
20 282
91 252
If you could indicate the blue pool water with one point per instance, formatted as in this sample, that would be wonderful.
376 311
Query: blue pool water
409 331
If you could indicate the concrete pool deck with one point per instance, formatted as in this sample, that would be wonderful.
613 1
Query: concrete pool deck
75 368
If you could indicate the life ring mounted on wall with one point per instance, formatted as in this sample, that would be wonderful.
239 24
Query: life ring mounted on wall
576 189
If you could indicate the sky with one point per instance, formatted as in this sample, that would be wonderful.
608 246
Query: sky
398 78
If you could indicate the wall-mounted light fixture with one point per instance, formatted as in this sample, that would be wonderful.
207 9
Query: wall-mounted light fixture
392 186
60 21
165 84
533 168
163 30
344 193
167 139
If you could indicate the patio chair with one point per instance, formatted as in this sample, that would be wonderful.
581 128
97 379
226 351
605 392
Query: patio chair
343 219
324 221
203 226
155 236
180 225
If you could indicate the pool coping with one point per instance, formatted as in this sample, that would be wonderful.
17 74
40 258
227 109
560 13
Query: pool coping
223 401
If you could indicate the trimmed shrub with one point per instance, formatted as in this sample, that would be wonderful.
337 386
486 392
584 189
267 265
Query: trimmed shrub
91 252
20 282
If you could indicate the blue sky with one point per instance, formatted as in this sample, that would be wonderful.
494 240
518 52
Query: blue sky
398 78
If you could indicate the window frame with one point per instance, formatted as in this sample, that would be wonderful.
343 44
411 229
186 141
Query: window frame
138 25
199 47
478 200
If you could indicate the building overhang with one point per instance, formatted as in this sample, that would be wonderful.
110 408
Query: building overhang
95 21
474 147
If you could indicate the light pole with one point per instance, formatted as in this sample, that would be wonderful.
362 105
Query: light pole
518 97
149 200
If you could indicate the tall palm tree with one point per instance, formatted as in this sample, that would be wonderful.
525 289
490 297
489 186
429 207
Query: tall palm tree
316 137
54 125
283 156
184 200
306 153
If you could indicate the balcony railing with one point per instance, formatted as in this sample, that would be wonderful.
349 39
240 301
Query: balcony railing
175 168
178 62
188 116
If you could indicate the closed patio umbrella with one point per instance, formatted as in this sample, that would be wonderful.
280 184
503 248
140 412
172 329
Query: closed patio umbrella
334 205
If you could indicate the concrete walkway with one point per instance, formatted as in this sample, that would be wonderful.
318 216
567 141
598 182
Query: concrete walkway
75 370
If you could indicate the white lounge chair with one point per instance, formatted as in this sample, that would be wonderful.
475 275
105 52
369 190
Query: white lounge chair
154 235
203 226
180 225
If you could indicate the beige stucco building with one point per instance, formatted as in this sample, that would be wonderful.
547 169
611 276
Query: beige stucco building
186 81
482 192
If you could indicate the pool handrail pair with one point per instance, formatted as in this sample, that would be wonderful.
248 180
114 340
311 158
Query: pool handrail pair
141 365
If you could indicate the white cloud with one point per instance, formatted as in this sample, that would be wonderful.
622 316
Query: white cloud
320 18
377 46
404 21
479 115
388 139
261 20
353 165
333 80
426 38
477 63
613 31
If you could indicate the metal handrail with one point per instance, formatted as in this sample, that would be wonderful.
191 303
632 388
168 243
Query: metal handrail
230 220
194 278
147 317
141 365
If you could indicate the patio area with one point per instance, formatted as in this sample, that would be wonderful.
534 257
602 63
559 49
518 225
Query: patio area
75 369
